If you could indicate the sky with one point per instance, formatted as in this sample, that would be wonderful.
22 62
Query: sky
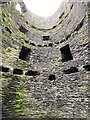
43 8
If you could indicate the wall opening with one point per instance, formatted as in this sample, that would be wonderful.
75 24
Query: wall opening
26 22
52 77
25 53
71 7
45 45
66 16
46 37
18 71
57 43
39 45
33 44
23 29
70 70
32 73
4 69
60 22
50 44
8 29
66 53
54 27
61 15
87 67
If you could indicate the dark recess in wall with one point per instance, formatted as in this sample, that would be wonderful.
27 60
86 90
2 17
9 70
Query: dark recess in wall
4 69
61 15
66 53
18 71
46 37
54 27
70 70
71 7
33 44
8 29
87 67
32 73
39 45
25 53
52 77
66 16
2 2
26 22
23 29
26 41
45 45
50 45
62 40
60 22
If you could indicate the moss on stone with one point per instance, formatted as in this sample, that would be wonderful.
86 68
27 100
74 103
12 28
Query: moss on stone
23 41
21 15
15 93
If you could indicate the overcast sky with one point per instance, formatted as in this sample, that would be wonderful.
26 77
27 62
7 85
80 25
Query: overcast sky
43 8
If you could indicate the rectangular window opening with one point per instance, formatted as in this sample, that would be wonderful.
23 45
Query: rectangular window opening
46 37
25 53
66 53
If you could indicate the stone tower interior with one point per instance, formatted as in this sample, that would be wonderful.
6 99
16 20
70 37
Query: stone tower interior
44 62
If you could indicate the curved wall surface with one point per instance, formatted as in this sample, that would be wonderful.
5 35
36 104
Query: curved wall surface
45 62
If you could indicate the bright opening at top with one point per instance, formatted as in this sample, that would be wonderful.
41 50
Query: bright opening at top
43 8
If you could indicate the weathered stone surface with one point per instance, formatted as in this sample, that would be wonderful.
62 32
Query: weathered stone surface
35 96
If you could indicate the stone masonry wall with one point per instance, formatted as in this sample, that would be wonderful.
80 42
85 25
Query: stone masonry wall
49 76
